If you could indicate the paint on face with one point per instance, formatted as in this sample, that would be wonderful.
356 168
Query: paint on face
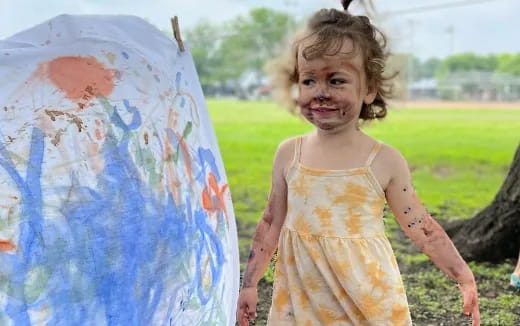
332 89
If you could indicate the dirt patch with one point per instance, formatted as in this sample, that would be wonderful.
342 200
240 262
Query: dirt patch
442 171
265 291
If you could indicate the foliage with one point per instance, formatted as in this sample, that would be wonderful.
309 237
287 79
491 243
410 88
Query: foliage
509 63
505 63
225 51
204 50
468 62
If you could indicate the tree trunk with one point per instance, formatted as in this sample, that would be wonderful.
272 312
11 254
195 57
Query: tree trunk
494 233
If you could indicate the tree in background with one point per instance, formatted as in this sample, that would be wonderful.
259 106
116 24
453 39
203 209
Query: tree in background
204 49
255 38
225 52
468 62
509 64
429 68
494 233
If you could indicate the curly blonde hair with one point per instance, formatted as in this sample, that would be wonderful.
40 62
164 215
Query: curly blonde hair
330 28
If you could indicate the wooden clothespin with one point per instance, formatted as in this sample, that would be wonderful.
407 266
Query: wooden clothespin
177 32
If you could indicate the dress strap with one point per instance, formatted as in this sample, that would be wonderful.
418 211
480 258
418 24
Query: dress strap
373 153
297 150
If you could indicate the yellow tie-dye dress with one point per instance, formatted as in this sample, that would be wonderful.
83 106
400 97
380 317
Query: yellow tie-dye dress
335 265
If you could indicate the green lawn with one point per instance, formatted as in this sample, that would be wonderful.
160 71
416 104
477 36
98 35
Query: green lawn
458 158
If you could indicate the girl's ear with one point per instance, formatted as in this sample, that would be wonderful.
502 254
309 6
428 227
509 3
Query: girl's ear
370 96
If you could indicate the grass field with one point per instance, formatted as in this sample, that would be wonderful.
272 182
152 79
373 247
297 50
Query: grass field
458 158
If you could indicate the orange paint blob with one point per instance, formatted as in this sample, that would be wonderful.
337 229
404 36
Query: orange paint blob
206 200
6 245
81 78
98 134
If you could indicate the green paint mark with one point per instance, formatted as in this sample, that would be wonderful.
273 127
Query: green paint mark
146 160
36 283
3 319
187 129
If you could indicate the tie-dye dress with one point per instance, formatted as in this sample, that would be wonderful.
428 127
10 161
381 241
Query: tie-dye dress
335 265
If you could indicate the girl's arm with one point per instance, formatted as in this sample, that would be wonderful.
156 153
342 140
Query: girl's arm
265 240
426 233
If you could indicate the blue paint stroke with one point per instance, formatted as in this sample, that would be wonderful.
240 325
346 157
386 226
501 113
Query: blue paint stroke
31 228
206 159
121 248
178 77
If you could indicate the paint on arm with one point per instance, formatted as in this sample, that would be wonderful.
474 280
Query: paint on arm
264 245
265 240
420 226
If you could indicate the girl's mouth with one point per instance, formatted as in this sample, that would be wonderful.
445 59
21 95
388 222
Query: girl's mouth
323 110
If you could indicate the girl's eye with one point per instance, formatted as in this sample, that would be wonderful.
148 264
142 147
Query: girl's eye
307 82
338 81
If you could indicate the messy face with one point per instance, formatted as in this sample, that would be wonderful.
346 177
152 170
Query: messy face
333 88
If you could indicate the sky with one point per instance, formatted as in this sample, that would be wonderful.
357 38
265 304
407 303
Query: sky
483 27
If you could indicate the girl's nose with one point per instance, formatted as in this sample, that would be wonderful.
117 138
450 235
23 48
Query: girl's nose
322 95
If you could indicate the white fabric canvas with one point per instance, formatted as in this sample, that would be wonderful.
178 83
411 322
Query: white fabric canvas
114 204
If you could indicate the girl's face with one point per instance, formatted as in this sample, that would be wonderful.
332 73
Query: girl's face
332 89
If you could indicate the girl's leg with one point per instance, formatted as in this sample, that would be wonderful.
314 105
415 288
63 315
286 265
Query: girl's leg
515 277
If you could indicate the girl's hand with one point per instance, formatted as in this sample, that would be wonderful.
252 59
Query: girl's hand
246 306
470 296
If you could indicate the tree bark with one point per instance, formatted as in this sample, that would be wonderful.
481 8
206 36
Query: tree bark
494 233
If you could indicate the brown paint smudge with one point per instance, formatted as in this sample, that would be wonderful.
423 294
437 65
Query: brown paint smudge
77 121
57 137
146 138
72 118
80 78
53 114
